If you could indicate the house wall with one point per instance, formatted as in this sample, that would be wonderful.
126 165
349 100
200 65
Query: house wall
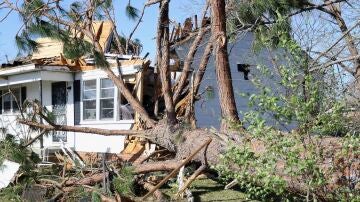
8 120
79 141
207 110
99 143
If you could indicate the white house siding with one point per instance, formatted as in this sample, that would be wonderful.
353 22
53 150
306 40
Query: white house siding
31 77
207 110
8 120
85 142
98 143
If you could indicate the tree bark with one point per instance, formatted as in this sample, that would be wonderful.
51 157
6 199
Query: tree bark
190 57
163 59
156 166
187 64
135 104
189 113
226 94
186 140
92 180
120 84
105 132
336 11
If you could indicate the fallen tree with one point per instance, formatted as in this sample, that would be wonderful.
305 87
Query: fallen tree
311 159
182 141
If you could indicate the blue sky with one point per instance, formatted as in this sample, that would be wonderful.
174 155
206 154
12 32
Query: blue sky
179 10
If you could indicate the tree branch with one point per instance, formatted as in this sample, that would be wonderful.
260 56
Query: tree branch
104 132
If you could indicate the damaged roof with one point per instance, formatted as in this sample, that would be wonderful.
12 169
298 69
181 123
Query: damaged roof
50 53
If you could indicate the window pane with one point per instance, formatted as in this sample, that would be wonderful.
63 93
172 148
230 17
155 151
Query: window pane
107 108
107 113
89 100
7 106
106 83
7 102
89 95
16 99
107 93
106 103
15 106
90 84
89 114
89 110
90 104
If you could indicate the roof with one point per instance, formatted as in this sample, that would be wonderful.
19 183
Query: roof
48 48
182 34
50 51
49 55
105 30
30 68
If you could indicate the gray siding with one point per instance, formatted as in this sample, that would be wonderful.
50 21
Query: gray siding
207 110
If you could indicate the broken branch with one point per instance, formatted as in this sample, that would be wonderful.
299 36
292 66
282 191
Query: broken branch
187 160
104 132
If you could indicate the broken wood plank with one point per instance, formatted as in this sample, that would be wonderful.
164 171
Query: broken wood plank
187 160
190 180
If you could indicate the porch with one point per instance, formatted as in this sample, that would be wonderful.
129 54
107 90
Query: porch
51 86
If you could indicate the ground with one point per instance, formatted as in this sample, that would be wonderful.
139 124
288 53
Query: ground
210 190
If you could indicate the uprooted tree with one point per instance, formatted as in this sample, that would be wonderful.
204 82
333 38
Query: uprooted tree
261 157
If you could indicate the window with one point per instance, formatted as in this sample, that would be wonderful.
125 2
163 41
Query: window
106 99
11 100
89 100
102 101
245 69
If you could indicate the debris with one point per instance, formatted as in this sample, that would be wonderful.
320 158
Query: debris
187 160
72 156
8 170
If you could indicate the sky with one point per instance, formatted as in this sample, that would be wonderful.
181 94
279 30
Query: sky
146 33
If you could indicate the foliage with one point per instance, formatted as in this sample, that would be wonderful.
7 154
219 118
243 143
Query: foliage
297 100
11 193
10 149
124 182
131 12
41 20
265 17
79 194
95 197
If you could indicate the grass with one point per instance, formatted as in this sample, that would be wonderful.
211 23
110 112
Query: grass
209 190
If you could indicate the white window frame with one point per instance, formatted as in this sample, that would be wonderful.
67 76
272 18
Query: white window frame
98 120
96 99
114 100
11 111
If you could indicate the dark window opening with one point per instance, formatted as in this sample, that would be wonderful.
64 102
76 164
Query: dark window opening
245 69
125 110
12 99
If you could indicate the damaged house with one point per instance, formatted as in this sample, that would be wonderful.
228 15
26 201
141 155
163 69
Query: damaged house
245 65
75 92
79 94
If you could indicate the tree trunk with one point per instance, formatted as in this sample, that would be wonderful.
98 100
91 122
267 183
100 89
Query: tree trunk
120 84
189 113
187 64
163 59
135 104
335 10
226 94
